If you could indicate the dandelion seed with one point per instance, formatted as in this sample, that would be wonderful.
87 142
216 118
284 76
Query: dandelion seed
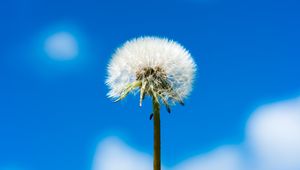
151 65
159 68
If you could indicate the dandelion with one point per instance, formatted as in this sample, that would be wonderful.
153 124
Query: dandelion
155 67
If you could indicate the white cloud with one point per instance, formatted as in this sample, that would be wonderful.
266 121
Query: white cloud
112 154
273 137
224 158
61 46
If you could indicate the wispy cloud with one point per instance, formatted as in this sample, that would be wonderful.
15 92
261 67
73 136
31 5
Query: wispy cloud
113 154
223 158
273 140
61 46
274 135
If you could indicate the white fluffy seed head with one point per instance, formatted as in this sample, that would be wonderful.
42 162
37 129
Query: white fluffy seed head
171 60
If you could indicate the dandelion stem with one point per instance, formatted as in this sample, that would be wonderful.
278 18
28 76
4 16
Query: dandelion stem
156 115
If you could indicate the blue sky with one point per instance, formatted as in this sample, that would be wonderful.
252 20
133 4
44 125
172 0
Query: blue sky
54 112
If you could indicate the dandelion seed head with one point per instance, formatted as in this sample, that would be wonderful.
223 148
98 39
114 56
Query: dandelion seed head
162 66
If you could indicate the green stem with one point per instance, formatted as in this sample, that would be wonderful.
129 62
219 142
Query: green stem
156 116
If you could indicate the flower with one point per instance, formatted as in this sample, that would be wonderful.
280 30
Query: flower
153 66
